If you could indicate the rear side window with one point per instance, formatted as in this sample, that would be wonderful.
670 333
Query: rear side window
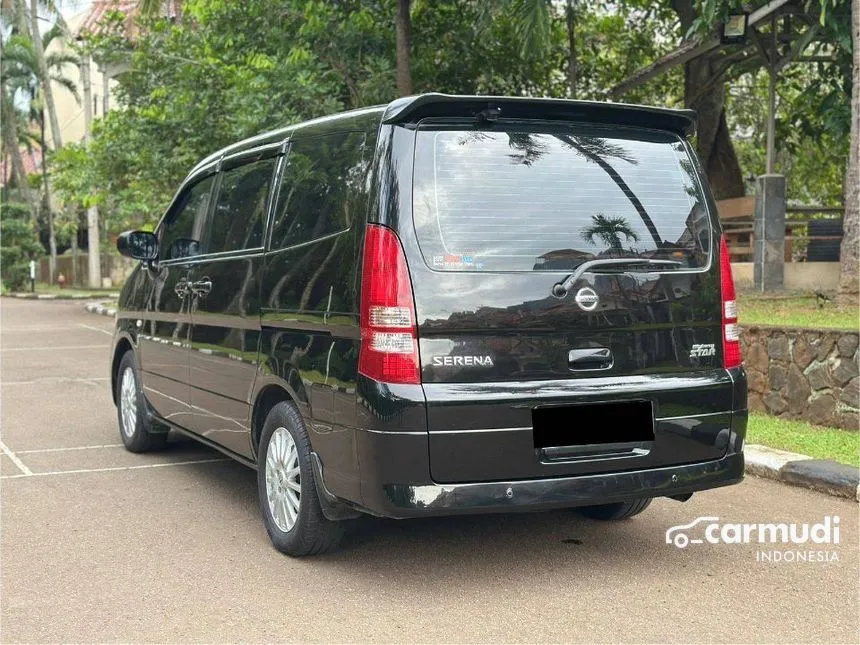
182 230
550 198
240 211
321 176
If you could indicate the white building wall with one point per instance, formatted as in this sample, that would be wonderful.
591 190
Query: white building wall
70 112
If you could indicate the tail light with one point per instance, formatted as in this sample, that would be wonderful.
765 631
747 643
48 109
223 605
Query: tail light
389 333
731 331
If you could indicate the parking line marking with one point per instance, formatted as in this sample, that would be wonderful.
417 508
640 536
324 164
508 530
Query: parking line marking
114 469
31 329
57 379
104 331
21 465
44 349
41 450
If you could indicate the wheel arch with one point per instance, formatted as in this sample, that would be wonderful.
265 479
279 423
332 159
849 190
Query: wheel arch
268 397
122 346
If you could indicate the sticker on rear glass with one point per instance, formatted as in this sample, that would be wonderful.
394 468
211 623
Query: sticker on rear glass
456 262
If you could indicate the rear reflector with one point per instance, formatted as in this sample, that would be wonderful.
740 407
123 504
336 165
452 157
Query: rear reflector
389 333
731 331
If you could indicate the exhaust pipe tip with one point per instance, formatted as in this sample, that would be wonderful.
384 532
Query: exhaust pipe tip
681 498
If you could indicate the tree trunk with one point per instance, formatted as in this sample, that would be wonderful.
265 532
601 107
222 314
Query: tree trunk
622 186
73 279
44 77
52 233
8 124
713 142
19 16
849 263
706 94
403 30
571 49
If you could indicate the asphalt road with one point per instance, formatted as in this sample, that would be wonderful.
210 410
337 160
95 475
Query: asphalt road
99 544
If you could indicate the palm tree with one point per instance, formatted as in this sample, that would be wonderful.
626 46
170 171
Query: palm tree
598 150
43 70
14 21
10 121
23 77
529 150
532 22
22 65
609 230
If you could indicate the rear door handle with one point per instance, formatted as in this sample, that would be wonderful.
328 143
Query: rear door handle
181 288
202 288
593 358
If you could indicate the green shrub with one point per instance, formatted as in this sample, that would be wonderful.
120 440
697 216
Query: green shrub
18 245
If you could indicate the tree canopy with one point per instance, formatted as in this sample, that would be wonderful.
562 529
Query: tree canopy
224 70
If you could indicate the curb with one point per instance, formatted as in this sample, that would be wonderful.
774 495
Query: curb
99 309
822 475
51 296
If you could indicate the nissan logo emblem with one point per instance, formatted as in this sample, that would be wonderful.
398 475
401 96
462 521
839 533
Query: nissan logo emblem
587 299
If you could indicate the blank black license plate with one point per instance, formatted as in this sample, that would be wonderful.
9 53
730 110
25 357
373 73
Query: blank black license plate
594 423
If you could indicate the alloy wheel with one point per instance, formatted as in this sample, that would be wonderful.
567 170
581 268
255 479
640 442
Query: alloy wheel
128 402
283 479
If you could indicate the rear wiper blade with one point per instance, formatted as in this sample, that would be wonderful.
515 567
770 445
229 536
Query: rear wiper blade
560 289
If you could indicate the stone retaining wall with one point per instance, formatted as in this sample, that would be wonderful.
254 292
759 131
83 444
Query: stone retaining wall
809 374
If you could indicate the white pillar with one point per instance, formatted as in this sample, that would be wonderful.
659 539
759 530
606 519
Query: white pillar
94 268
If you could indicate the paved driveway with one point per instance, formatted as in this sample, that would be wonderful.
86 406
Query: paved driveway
102 545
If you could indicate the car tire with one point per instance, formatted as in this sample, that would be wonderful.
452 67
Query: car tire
289 500
134 424
617 511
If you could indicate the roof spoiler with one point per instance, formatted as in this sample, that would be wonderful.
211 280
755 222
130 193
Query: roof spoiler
412 109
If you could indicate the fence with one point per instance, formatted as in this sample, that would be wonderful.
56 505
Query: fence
114 268
812 233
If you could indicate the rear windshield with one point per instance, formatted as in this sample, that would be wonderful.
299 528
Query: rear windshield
513 198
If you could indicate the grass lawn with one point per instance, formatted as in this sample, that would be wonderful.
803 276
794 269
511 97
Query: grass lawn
798 436
43 287
800 310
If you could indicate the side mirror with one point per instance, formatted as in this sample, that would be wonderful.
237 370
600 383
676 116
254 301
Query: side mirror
140 245
183 247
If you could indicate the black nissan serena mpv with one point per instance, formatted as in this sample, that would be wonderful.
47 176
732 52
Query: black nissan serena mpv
444 305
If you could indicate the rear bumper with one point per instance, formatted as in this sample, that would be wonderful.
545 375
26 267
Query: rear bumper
404 501
396 480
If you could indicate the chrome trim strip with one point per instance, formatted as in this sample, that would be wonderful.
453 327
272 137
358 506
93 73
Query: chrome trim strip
423 433
432 432
193 260
524 428
693 416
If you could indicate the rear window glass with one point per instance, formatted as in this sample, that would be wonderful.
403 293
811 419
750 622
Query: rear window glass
548 199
